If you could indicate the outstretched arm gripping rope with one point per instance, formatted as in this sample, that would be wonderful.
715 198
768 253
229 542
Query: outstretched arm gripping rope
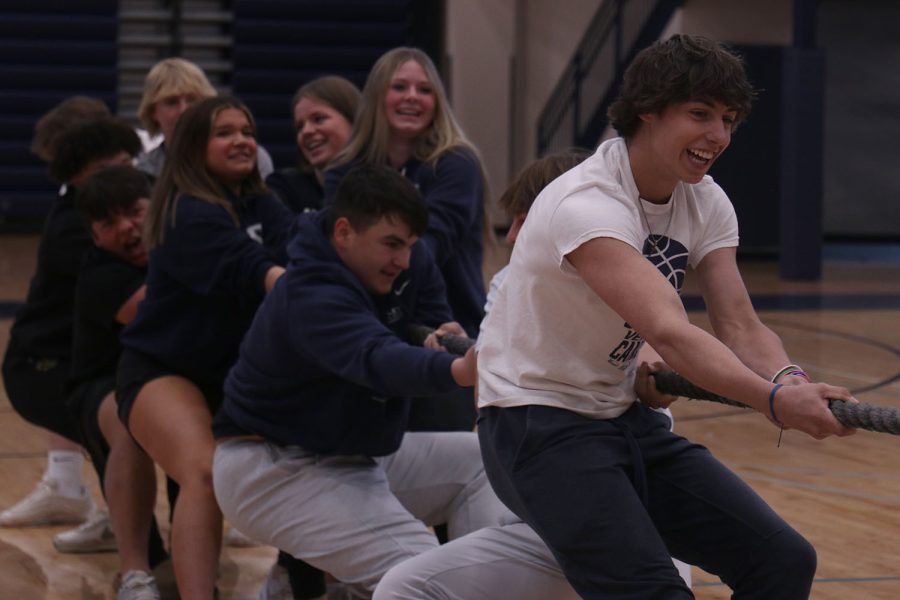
883 419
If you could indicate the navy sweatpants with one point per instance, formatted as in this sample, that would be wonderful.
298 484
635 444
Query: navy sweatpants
613 499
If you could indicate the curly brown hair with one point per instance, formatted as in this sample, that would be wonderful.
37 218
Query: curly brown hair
680 69
90 141
72 111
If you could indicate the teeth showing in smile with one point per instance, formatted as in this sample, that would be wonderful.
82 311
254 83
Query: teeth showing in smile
704 155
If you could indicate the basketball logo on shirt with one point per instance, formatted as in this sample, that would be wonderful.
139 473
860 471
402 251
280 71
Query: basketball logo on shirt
670 257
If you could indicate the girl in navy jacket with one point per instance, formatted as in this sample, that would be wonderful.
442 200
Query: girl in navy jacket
405 121
217 241
322 111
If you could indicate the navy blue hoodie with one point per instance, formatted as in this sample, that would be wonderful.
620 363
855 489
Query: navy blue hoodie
205 282
453 189
324 365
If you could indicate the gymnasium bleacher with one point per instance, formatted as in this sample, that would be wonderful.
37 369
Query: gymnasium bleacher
49 49
260 50
281 44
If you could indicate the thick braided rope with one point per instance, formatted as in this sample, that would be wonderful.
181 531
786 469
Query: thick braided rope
883 419
454 344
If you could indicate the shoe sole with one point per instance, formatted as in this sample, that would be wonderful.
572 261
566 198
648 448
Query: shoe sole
62 520
97 549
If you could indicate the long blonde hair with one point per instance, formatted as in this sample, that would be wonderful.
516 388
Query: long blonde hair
370 135
185 170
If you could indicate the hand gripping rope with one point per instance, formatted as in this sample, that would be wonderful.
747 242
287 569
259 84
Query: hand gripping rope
883 419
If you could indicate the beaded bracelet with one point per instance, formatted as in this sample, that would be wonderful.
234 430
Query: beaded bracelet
790 370
797 374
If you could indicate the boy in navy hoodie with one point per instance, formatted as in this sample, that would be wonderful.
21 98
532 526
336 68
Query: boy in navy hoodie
312 457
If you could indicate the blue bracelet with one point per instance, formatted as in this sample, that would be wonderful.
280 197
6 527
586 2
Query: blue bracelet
777 387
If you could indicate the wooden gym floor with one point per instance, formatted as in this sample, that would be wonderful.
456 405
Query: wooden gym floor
842 494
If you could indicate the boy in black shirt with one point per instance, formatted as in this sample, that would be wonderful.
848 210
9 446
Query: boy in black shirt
112 204
37 362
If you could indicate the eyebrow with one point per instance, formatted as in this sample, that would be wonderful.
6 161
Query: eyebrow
239 126
407 242
401 79
711 102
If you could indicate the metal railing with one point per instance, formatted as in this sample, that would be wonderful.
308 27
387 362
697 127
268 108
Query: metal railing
575 114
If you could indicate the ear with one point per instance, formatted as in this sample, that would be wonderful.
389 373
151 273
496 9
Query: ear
647 117
92 227
343 232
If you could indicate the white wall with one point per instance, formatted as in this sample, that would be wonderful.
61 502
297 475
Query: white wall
505 57
765 22
548 33
480 45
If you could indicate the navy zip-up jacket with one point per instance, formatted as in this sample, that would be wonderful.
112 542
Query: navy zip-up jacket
453 189
205 282
325 365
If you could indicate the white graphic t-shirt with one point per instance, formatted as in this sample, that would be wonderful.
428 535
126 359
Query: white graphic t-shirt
549 339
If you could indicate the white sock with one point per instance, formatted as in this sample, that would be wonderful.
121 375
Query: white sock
65 467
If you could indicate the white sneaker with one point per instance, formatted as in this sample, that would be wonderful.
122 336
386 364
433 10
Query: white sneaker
94 535
138 585
277 585
235 539
46 506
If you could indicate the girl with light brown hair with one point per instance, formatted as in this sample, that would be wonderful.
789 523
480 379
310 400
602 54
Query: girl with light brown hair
216 240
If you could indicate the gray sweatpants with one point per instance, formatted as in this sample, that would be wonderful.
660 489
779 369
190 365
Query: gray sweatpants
357 517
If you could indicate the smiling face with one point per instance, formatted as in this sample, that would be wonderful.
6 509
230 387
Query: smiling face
377 254
321 131
121 233
231 148
679 144
410 101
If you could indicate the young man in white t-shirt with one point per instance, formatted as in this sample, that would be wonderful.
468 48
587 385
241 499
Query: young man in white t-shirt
596 271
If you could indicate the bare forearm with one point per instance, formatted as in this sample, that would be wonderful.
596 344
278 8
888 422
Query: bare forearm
758 347
709 363
464 370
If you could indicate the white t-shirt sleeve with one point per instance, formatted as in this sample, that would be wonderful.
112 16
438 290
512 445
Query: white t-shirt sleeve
720 226
585 215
